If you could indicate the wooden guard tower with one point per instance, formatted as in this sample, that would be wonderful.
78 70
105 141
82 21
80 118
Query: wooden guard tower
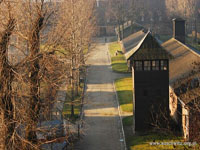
150 71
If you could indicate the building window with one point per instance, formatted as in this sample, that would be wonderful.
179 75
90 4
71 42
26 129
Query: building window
138 65
163 65
155 65
147 65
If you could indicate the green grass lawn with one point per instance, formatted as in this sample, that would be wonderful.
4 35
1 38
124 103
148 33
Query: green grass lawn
118 62
143 141
125 95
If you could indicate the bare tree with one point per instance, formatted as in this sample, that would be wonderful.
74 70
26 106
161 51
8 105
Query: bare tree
6 76
187 9
51 39
31 19
116 9
35 14
78 29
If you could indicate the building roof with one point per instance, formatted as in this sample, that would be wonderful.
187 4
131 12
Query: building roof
129 24
183 58
178 19
182 80
133 40
145 42
190 96
129 28
194 103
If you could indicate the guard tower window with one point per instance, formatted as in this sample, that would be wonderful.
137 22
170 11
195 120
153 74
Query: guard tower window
138 65
163 65
147 65
155 65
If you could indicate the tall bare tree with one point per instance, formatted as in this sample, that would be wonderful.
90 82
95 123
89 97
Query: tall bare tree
187 9
33 33
77 24
46 37
7 124
116 9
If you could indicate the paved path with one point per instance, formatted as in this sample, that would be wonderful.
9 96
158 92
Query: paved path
102 125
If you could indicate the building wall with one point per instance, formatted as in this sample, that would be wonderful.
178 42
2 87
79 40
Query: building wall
173 105
127 29
151 96
185 123
176 110
187 120
105 31
110 30
133 79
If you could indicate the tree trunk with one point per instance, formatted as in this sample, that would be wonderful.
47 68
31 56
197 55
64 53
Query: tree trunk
77 83
72 86
122 30
35 103
73 63
75 77
119 32
7 121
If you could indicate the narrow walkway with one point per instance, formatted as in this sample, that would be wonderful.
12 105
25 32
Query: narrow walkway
102 125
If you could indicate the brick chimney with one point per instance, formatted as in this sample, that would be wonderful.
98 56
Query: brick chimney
179 29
